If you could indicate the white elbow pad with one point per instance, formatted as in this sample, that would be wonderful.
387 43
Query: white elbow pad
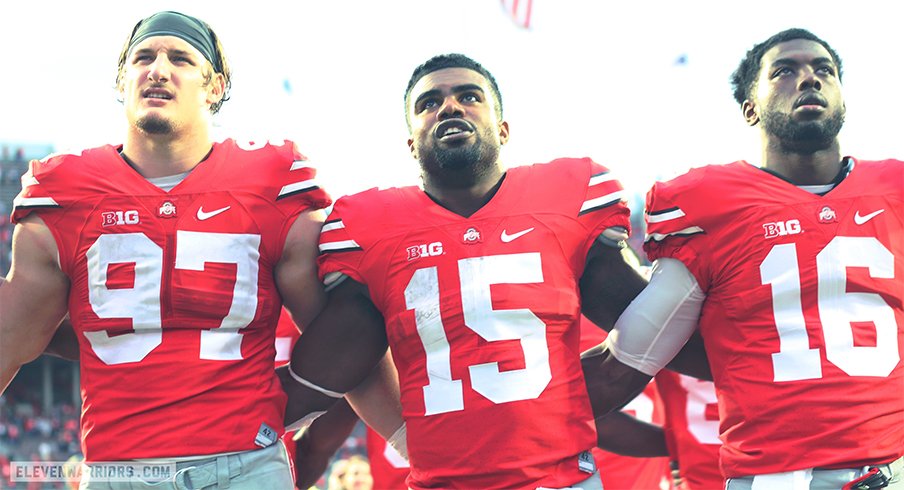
660 320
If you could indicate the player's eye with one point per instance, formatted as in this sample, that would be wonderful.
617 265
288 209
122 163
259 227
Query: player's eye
428 104
182 59
781 71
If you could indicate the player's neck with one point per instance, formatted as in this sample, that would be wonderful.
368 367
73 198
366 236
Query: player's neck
464 200
801 168
164 155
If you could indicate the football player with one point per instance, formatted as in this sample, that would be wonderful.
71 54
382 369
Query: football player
477 282
800 262
172 254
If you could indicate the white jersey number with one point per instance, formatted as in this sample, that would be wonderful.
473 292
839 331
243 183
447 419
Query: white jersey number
141 302
838 309
700 395
444 394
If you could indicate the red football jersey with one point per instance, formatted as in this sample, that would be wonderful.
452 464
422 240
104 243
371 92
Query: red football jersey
172 294
287 334
482 317
388 468
692 428
803 315
625 472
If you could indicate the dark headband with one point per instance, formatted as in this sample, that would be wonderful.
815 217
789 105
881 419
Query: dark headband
185 27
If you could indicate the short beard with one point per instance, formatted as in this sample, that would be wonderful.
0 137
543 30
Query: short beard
803 137
155 125
463 166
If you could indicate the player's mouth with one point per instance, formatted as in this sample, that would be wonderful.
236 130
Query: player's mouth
453 130
811 101
157 93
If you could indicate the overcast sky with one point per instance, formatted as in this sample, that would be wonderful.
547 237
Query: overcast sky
590 78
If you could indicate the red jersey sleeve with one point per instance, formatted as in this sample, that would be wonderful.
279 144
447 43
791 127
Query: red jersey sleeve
675 228
41 188
340 252
603 205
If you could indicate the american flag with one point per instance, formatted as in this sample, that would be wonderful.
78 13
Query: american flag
519 11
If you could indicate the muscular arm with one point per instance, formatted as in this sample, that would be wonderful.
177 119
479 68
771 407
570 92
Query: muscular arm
319 442
623 434
296 273
647 336
32 297
344 349
608 286
64 343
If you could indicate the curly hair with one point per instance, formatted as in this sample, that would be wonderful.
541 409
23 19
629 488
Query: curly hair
745 76
452 60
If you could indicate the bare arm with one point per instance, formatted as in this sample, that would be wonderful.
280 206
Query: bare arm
32 297
692 360
608 285
623 434
319 443
64 343
344 348
296 272
610 383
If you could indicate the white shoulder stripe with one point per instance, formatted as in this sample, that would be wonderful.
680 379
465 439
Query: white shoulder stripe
30 202
297 164
658 237
28 179
332 226
599 179
659 218
338 245
305 184
599 201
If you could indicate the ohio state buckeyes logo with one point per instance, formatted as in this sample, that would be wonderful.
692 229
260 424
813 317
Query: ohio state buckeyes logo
471 236
167 210
827 215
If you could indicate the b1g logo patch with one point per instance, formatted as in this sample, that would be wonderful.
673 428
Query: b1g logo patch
114 218
425 250
782 228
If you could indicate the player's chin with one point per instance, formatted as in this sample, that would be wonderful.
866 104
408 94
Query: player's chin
155 124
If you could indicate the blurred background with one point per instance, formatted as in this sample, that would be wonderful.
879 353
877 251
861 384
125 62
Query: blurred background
641 87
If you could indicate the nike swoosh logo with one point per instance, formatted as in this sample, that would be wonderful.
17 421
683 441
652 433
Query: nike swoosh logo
204 215
514 236
863 219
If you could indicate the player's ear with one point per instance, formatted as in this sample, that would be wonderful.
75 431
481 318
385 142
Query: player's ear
751 114
503 132
412 149
216 88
